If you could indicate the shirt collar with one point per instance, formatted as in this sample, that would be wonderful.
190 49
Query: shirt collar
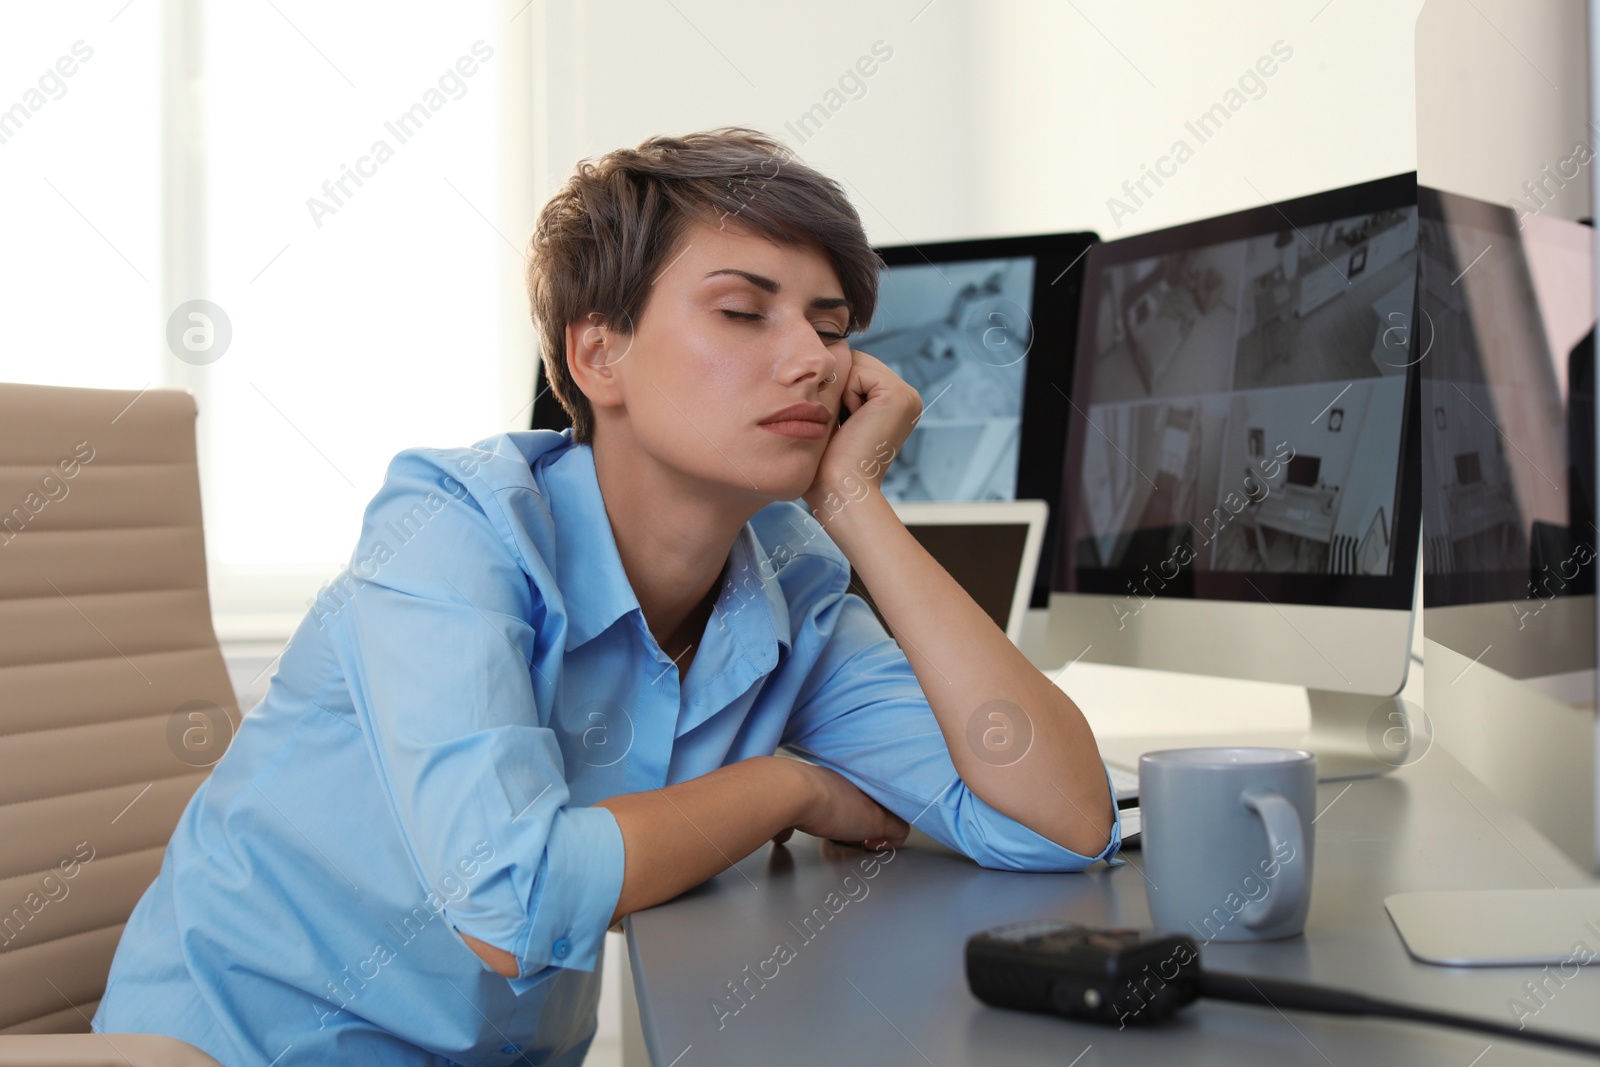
596 590
751 590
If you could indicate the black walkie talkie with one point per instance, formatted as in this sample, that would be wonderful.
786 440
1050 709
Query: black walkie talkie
1132 976
1120 975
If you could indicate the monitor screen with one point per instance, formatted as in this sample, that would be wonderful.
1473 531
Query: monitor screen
959 333
1508 404
1303 470
1243 407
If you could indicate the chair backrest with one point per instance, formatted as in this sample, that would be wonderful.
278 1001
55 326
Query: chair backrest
114 699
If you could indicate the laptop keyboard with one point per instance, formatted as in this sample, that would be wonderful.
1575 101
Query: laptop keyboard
1125 782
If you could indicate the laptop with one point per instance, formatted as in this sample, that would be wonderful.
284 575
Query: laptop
990 547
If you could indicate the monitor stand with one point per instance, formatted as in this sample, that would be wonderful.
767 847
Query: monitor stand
1359 735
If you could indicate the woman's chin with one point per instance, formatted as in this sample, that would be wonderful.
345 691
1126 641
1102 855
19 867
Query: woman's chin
788 483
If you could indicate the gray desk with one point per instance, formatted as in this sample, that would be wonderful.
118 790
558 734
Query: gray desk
882 982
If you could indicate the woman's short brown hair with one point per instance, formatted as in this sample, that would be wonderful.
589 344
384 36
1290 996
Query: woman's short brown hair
606 234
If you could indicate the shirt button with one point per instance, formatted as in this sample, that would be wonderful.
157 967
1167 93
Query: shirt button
561 949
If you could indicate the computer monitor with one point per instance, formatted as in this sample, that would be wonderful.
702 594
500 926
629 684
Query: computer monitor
1508 464
984 329
1240 491
1508 401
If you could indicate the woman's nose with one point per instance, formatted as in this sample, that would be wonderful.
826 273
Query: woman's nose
806 354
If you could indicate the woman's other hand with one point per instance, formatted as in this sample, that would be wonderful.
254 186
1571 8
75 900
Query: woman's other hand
883 410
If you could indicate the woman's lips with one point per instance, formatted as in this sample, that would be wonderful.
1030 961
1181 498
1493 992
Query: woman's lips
804 428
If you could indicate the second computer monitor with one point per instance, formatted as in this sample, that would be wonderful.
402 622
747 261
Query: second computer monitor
984 330
1240 486
1508 445
1508 455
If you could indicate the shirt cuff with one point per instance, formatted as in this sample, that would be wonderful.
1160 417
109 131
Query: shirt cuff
1109 853
585 859
999 842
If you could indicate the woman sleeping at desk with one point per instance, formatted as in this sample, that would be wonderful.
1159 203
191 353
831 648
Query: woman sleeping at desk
549 689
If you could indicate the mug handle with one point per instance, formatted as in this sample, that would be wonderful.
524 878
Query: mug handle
1283 827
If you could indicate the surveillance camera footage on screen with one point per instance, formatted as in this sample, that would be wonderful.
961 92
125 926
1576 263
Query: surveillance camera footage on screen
1242 404
959 333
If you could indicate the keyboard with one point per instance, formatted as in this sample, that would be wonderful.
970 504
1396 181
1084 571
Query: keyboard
1125 783
1132 828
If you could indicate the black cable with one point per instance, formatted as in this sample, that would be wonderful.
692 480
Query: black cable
1301 997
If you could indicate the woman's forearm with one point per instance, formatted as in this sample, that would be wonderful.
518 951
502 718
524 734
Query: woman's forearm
678 836
980 685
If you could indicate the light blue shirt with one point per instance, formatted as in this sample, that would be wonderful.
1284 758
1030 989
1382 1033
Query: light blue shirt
430 750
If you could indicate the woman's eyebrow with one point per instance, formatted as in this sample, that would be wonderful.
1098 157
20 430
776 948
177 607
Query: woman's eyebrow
822 303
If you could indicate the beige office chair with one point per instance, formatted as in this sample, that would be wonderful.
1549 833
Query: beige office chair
114 700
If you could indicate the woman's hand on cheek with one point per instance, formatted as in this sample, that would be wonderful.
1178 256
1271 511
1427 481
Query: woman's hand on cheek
883 409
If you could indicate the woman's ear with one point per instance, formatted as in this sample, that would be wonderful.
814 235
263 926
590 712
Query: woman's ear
592 358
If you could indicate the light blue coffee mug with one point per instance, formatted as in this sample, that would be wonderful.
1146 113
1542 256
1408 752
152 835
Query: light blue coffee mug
1228 841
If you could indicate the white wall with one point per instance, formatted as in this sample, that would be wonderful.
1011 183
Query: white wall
1010 117
616 73
1075 104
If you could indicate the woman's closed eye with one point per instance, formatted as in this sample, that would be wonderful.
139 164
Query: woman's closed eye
829 336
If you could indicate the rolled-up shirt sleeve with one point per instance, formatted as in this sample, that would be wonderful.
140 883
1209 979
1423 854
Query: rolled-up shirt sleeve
437 647
863 713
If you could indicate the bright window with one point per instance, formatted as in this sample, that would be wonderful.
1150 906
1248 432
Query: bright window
80 255
352 181
332 182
